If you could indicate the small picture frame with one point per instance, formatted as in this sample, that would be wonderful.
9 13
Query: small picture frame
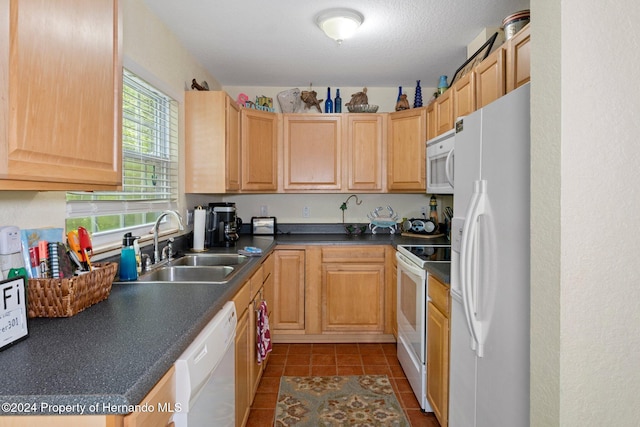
474 60
13 311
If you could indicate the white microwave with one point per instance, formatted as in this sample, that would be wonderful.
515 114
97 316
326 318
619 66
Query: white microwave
440 163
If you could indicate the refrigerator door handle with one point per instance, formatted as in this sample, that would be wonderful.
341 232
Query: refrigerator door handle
465 267
470 264
448 167
480 188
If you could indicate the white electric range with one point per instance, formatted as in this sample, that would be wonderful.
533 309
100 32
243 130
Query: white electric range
412 312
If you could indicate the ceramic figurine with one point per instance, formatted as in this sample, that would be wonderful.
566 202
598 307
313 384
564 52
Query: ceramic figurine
402 103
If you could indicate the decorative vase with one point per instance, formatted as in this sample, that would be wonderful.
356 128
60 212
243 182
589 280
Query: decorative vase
337 103
442 85
328 104
417 100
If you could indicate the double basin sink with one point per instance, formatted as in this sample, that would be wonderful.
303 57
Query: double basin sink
196 268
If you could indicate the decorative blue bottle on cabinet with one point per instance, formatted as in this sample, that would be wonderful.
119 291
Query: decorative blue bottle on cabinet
328 104
417 101
337 103
399 93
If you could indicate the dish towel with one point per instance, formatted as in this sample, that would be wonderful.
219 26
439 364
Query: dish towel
263 341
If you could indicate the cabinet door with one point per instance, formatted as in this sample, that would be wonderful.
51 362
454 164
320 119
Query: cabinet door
232 145
464 96
365 139
518 59
61 84
288 295
490 79
162 399
438 363
431 121
353 298
255 369
259 150
212 141
444 112
406 151
243 383
312 152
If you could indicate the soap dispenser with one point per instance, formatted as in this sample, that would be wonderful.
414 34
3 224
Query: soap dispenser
128 267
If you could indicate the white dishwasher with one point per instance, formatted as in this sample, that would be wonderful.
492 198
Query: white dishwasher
205 374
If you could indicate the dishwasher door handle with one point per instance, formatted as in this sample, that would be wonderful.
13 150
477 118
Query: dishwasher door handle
201 354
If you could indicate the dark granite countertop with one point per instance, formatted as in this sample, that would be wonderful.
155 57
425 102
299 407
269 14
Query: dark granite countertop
109 356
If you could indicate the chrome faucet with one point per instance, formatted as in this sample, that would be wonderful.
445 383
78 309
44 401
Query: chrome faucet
156 252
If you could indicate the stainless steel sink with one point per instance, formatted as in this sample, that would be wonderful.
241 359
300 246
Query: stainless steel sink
196 268
189 274
210 260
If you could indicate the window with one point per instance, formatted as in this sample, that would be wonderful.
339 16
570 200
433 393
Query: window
149 168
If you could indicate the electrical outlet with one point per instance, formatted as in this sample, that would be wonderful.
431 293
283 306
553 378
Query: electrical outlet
423 210
305 212
264 211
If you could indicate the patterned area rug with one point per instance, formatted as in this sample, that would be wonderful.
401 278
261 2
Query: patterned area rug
366 400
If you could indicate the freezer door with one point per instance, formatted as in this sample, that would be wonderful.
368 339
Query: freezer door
504 283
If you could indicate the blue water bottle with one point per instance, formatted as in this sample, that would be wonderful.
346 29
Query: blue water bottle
337 103
328 104
128 267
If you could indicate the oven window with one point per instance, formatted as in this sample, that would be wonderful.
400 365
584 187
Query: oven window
408 298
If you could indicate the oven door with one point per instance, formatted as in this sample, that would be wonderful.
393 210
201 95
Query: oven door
440 163
411 307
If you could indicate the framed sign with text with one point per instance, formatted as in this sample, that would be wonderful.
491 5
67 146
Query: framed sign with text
13 311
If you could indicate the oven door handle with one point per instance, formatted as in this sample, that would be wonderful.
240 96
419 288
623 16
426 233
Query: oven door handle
408 265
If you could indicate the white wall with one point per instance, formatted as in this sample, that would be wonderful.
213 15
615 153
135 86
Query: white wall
585 356
325 208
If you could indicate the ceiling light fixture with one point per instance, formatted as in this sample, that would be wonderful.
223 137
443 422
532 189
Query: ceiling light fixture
339 24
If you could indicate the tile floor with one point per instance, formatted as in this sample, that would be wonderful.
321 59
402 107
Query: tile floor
333 359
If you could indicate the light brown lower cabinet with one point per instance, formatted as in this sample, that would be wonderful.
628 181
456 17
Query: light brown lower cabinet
438 327
288 290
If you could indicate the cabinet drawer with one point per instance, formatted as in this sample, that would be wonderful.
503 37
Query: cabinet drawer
439 294
242 298
256 282
353 254
267 268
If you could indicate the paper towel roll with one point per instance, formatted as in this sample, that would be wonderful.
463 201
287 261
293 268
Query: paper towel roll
199 219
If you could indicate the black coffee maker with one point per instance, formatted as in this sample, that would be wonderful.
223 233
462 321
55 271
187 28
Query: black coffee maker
223 225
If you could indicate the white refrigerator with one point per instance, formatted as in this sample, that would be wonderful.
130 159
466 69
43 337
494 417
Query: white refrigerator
489 365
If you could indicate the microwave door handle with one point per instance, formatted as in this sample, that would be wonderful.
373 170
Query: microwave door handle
448 167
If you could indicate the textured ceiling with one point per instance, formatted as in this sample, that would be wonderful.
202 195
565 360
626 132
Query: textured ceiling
277 43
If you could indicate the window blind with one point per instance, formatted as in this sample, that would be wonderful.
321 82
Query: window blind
149 166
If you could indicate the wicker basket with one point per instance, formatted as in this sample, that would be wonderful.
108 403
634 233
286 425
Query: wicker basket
67 297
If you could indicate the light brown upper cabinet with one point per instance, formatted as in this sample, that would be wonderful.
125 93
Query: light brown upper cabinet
464 96
212 148
259 150
406 150
60 108
444 112
312 152
365 152
431 121
490 79
518 59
